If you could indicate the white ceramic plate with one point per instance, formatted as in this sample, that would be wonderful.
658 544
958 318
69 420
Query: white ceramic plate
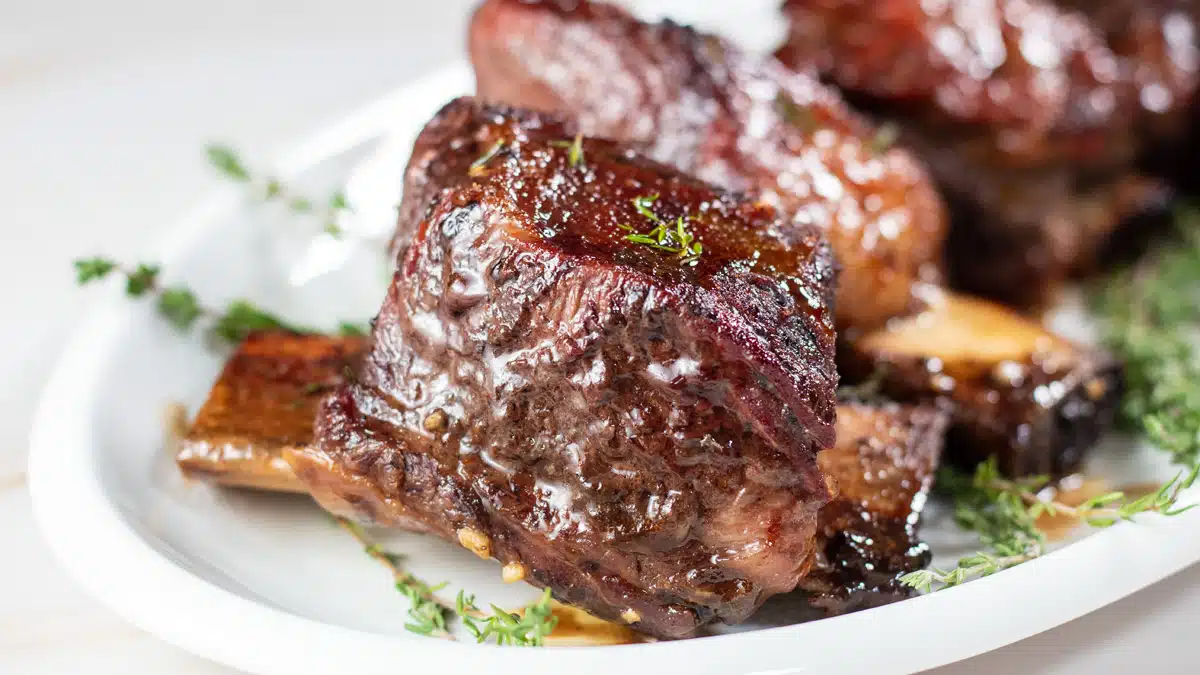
266 584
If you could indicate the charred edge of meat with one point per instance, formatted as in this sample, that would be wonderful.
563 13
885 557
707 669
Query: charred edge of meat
883 467
1033 400
264 400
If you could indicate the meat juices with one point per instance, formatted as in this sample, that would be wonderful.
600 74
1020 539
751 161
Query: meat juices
638 428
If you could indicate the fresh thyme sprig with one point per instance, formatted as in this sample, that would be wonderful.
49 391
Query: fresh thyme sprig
1004 513
575 156
430 615
527 628
183 310
229 164
1000 518
479 166
674 237
1149 317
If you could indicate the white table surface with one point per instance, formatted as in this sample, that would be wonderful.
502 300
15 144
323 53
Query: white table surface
104 110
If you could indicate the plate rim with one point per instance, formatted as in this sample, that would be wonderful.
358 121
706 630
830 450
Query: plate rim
96 546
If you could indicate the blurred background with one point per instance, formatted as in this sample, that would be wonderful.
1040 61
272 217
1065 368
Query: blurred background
104 110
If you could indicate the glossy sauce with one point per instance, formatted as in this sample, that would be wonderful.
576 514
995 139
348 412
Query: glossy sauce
700 104
1071 491
577 628
1075 490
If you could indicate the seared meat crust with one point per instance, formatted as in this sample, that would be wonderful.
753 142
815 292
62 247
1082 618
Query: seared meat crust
638 428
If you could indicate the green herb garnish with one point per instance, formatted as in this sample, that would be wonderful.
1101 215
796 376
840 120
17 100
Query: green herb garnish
574 150
575 154
527 628
180 306
885 137
427 614
1150 319
348 329
794 114
430 615
229 164
672 237
225 160
479 166
1004 513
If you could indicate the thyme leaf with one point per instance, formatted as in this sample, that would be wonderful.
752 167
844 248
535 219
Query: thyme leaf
230 165
673 237
575 156
885 137
479 166
526 628
427 614
430 615
180 306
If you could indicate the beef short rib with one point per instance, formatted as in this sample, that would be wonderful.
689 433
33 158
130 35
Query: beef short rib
881 469
595 366
264 401
700 104
1040 152
1033 400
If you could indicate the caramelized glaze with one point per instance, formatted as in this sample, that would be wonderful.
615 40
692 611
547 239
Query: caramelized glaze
698 103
